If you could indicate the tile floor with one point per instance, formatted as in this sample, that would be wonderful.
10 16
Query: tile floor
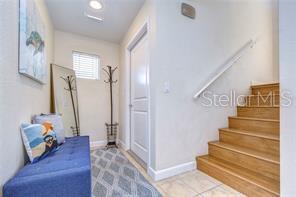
191 184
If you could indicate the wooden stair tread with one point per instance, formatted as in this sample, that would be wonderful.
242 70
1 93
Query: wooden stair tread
258 107
262 95
257 119
270 112
265 135
246 151
247 157
262 100
259 180
265 85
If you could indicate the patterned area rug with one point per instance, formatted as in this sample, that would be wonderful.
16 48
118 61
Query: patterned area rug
113 175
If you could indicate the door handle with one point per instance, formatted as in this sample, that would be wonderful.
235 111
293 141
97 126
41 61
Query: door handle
130 105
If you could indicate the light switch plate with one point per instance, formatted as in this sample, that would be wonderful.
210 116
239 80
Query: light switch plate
166 87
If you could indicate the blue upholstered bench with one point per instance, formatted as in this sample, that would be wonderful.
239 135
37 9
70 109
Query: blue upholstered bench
66 172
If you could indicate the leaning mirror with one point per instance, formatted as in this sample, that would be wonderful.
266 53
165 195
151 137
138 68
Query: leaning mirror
64 98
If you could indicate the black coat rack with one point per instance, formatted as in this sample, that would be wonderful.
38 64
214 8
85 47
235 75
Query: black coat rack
112 127
70 83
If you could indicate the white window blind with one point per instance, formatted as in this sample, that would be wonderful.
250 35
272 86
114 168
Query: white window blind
86 66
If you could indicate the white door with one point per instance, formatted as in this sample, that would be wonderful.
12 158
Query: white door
139 99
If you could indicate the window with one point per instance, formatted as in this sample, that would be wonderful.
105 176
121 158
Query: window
86 66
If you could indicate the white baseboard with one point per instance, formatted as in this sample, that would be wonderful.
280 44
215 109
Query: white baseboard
172 171
102 143
122 144
98 144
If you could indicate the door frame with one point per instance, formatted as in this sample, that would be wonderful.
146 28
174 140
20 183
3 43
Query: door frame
142 31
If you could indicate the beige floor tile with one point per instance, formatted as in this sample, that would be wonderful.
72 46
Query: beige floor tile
163 193
200 173
188 184
219 192
165 180
187 173
177 188
198 182
209 177
232 190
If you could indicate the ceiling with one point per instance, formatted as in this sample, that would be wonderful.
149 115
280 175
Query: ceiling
69 16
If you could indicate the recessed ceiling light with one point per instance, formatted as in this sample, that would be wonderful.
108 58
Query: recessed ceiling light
93 17
95 4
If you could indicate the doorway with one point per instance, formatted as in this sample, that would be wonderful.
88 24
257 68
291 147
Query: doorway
138 52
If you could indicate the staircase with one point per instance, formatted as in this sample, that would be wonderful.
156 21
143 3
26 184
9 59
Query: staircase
246 157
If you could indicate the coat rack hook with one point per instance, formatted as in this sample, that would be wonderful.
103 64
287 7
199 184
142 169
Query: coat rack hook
111 128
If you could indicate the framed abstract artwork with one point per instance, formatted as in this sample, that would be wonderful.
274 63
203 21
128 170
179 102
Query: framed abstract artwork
32 48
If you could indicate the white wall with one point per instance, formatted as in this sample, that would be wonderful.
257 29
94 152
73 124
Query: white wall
20 97
93 95
185 53
188 52
287 80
